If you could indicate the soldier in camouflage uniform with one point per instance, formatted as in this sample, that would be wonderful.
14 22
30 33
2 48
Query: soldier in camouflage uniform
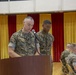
22 42
71 60
65 54
46 39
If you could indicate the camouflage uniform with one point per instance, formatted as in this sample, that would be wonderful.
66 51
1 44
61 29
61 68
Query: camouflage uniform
71 59
23 43
46 41
64 54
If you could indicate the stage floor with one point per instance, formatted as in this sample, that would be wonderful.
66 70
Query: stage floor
56 68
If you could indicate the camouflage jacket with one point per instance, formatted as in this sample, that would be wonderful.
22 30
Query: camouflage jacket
71 59
45 42
64 54
23 43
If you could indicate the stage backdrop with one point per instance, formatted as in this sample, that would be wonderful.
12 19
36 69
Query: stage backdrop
63 29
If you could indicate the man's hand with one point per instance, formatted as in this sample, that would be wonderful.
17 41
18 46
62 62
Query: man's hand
12 54
36 53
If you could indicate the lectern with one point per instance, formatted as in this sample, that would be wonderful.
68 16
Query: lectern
27 65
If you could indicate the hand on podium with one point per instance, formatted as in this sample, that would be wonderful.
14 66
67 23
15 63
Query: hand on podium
37 53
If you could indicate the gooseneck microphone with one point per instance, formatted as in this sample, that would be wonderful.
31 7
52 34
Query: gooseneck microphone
33 31
36 36
36 39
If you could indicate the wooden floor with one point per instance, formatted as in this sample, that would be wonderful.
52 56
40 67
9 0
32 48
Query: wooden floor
56 68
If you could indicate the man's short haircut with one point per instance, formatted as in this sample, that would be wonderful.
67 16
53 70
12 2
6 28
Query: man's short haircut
71 45
28 17
47 22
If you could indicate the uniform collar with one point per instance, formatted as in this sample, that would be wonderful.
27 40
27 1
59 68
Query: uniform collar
44 32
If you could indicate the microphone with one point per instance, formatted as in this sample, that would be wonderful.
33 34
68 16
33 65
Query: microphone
33 31
35 35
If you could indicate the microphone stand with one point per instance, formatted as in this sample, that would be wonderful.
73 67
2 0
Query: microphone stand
36 39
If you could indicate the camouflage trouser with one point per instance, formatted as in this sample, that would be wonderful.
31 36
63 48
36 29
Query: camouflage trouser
65 70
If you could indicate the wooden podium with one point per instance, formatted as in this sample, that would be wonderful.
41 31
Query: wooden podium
28 65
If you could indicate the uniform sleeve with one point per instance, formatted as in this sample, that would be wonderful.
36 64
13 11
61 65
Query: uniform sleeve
69 59
63 58
62 55
12 42
39 36
74 63
74 60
